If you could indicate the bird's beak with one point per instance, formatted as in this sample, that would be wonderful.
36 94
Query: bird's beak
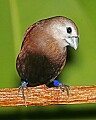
73 41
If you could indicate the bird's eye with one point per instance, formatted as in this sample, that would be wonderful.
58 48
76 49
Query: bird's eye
69 30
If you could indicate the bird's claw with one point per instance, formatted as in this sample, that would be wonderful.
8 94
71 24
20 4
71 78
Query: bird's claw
67 87
61 85
22 86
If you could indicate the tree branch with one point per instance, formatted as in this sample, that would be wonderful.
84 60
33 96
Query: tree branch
42 96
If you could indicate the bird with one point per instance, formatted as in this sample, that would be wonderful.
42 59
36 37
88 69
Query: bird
44 51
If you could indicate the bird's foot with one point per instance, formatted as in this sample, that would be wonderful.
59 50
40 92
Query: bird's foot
22 86
67 87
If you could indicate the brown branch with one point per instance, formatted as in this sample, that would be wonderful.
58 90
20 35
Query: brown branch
42 96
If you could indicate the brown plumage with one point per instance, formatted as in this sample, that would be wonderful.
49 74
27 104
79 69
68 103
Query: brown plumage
43 52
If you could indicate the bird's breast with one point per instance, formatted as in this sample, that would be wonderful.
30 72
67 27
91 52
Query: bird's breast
38 68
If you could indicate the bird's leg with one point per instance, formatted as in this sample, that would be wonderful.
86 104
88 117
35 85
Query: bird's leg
58 83
22 86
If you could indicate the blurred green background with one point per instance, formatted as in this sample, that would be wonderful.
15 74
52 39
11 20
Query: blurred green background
15 17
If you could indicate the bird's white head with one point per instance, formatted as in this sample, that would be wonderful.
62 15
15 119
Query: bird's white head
65 31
